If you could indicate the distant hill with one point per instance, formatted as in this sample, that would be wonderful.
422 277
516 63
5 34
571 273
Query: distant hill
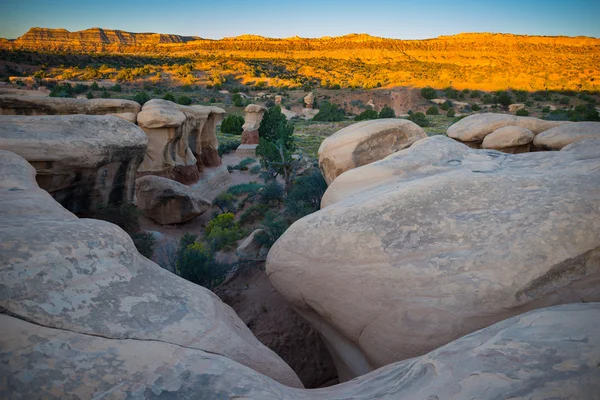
485 61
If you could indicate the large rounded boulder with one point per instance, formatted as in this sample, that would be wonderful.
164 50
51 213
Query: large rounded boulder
563 135
365 142
437 241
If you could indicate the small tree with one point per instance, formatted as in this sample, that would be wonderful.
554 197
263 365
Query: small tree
184 100
141 97
329 112
237 99
169 96
428 93
419 119
116 88
433 111
225 201
504 99
365 115
94 86
232 124
451 113
89 95
386 112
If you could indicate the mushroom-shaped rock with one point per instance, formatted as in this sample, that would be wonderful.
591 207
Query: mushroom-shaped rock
436 241
561 136
309 100
84 290
83 161
509 139
365 142
167 201
254 115
474 128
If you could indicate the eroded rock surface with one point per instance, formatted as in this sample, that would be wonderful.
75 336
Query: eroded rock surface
96 307
181 139
84 161
167 201
22 105
365 142
437 241
254 115
509 139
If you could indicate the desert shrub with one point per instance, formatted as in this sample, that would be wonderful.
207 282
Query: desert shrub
94 86
254 213
504 99
244 188
116 88
227 146
225 202
564 100
196 263
256 169
105 94
433 111
445 105
451 113
475 94
386 112
223 221
222 232
62 91
419 119
522 112
169 97
89 95
233 124
141 97
144 243
475 107
243 165
451 93
546 109
488 99
329 112
305 195
237 99
271 193
273 227
184 100
520 95
365 115
428 93
580 113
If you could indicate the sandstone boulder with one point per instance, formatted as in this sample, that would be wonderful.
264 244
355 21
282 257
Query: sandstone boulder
83 161
250 247
437 241
509 139
365 142
84 290
548 353
561 136
20 105
278 99
515 107
474 128
254 115
167 201
309 100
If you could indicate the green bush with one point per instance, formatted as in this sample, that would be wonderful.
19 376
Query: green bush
237 99
94 86
305 195
233 124
169 96
271 193
433 111
546 109
256 169
225 201
451 93
522 112
475 107
224 221
428 93
504 99
105 94
365 115
141 97
144 243
116 88
243 165
245 188
329 112
419 119
475 94
227 146
273 227
386 112
184 101
451 113
520 95
222 232
195 263
89 95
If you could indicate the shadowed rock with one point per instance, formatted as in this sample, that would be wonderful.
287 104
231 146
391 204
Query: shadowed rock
84 161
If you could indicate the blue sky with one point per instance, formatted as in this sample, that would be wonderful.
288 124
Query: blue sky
307 18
